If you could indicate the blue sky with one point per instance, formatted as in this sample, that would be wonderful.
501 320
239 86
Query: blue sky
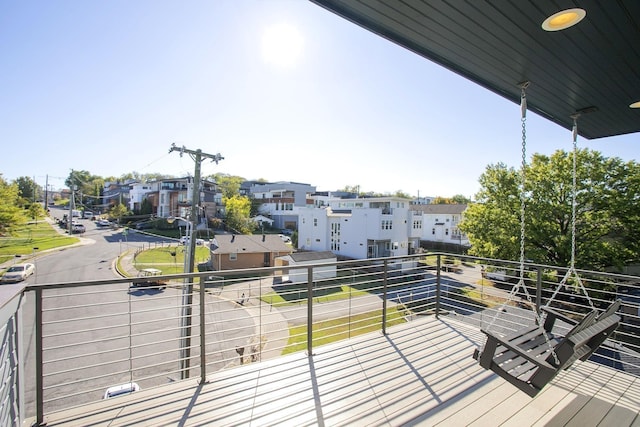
108 86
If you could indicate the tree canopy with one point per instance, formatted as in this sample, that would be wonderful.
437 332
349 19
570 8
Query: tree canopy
607 232
11 215
237 218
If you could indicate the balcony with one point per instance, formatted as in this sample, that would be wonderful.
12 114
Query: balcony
238 348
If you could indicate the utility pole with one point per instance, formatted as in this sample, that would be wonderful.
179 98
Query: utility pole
187 290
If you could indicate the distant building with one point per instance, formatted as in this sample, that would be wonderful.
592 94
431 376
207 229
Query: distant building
280 201
440 223
239 251
361 228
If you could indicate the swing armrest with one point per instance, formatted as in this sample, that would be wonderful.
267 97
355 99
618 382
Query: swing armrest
552 315
493 341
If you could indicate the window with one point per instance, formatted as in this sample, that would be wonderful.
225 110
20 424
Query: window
315 222
386 224
417 224
446 231
233 256
433 231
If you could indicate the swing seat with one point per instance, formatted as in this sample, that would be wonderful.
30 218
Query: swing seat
525 359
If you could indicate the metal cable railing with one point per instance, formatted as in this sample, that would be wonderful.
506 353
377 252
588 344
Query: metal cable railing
83 338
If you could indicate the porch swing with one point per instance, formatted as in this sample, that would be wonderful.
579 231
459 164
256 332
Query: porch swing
531 357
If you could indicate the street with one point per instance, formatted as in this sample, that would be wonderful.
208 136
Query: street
99 336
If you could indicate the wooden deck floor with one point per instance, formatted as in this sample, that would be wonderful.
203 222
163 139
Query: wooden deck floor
421 373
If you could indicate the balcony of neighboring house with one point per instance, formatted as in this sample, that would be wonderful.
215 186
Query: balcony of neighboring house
386 341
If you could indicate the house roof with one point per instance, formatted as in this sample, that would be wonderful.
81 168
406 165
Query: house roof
593 66
241 243
312 256
439 209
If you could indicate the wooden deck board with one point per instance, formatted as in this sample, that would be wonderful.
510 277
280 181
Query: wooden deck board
421 373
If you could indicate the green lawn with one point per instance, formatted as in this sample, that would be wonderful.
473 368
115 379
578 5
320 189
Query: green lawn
39 235
329 331
169 259
291 294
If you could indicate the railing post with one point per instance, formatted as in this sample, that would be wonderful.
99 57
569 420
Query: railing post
39 360
185 328
203 341
538 289
309 311
438 266
384 297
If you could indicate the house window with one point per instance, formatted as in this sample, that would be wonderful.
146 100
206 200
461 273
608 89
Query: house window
446 231
417 224
386 224
233 256
433 231
315 222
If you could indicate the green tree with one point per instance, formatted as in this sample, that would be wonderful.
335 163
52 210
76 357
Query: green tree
28 190
229 185
11 215
400 193
607 211
237 218
459 199
36 211
118 211
146 208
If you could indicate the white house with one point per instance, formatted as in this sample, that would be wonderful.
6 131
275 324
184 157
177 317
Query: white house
280 201
440 223
361 228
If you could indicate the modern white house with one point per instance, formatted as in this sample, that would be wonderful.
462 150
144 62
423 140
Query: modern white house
280 201
377 227
440 223
361 228
172 197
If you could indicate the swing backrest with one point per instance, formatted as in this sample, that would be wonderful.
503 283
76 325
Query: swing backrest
586 336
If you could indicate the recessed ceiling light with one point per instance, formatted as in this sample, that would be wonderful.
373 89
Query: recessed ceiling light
635 105
563 19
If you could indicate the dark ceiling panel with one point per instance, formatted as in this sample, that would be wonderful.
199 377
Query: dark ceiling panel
500 43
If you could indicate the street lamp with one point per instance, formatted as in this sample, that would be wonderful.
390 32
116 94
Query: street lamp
188 234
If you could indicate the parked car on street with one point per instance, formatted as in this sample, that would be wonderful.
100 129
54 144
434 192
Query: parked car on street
18 273
184 240
78 228
103 223
285 239
148 277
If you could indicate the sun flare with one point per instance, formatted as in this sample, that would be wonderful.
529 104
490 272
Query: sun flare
282 45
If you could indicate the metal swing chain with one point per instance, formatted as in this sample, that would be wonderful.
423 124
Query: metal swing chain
572 265
523 110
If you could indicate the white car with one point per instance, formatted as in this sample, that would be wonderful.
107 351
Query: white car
103 223
184 240
18 272
285 239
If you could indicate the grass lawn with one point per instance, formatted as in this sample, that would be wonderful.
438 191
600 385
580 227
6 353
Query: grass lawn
293 294
329 331
169 259
39 235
